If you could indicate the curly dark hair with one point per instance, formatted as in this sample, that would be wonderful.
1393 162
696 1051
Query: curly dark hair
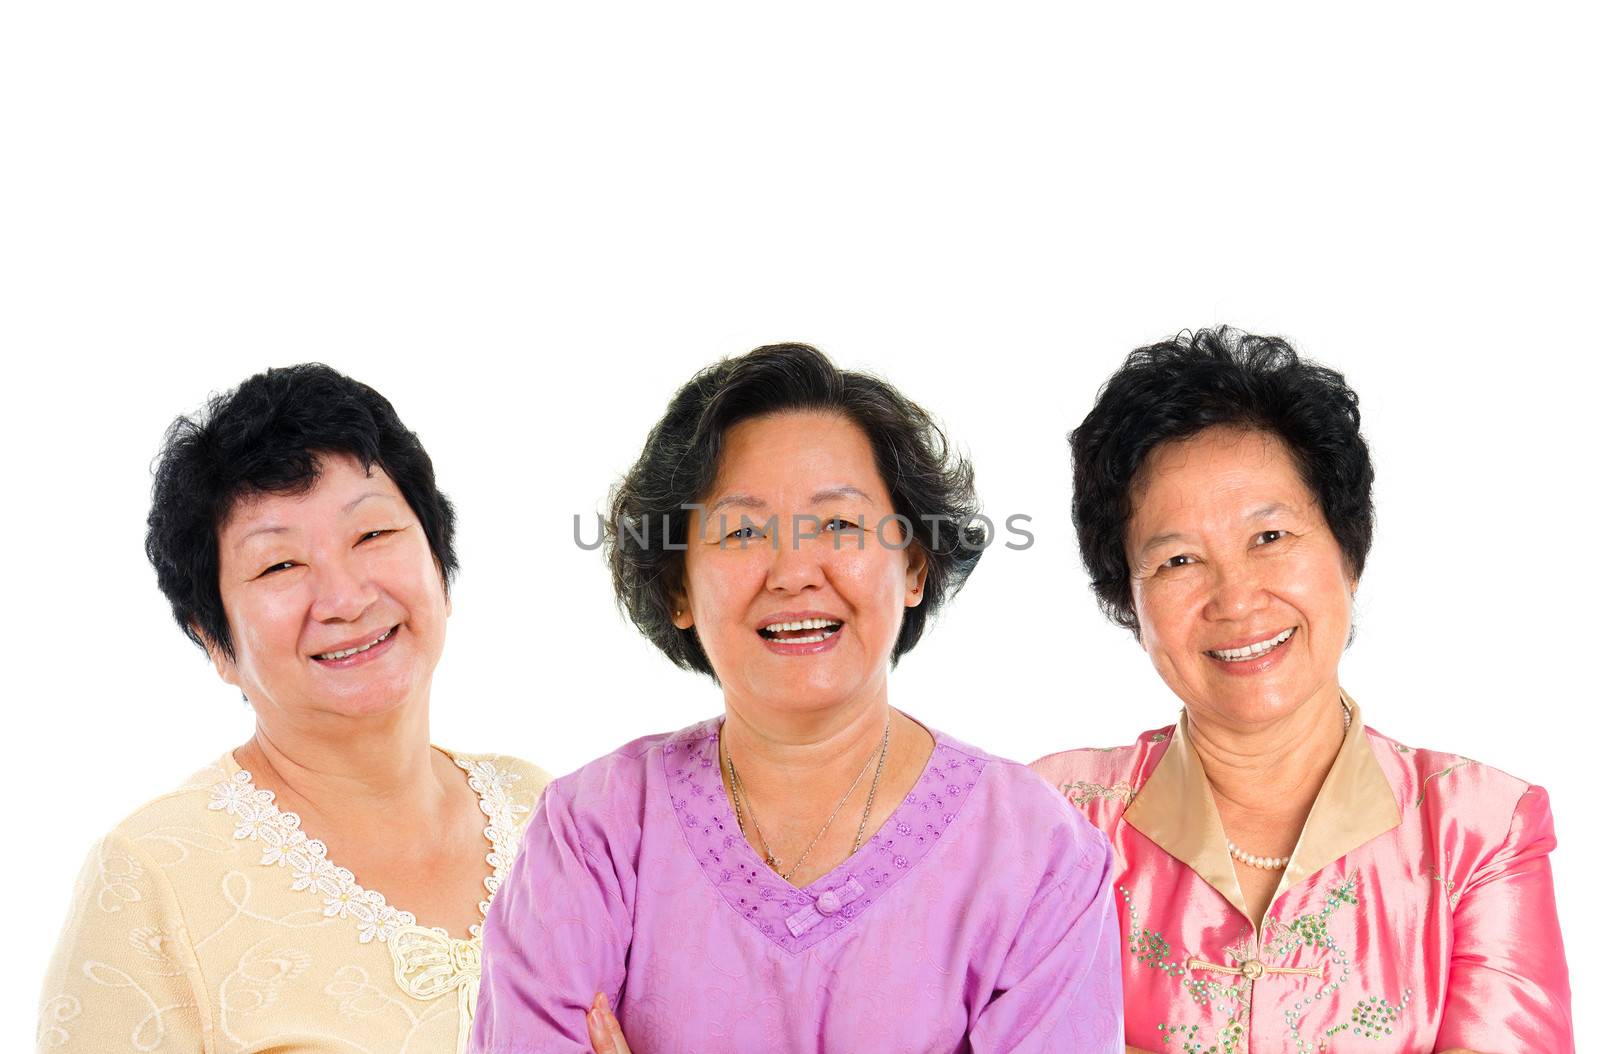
929 484
1179 387
266 436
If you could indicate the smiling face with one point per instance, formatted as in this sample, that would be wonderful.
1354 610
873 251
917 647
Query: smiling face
1241 590
789 622
333 597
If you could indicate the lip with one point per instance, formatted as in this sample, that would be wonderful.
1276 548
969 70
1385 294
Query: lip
778 647
360 658
1245 642
784 616
1260 664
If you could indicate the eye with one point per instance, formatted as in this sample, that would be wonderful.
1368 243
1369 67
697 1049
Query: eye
839 523
746 532
1181 560
372 534
1267 537
275 568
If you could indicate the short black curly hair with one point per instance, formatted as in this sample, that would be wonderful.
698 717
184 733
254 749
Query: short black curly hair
266 436
1179 387
928 482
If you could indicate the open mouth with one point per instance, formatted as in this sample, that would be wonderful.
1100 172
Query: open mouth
1253 651
801 631
335 656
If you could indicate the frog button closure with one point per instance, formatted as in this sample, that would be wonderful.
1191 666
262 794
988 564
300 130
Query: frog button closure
829 903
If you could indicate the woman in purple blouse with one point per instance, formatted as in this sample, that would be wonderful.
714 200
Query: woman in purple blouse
813 870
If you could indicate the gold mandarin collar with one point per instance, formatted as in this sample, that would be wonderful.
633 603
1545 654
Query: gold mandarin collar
1176 810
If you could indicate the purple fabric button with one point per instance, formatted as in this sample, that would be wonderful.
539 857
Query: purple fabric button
828 903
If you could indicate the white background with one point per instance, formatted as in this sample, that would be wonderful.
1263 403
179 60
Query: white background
527 228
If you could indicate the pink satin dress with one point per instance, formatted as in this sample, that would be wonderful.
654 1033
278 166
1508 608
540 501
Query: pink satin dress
1416 914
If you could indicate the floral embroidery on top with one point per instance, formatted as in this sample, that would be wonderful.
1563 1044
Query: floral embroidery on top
1445 881
1082 792
755 891
1153 950
1422 791
1372 1017
284 844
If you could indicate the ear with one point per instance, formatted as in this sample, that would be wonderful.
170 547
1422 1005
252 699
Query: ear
682 613
916 575
225 666
444 584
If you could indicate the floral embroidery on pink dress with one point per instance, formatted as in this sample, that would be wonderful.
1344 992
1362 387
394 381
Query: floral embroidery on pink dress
1416 913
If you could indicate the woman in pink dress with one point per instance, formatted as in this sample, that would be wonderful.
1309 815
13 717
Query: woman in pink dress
813 870
1287 878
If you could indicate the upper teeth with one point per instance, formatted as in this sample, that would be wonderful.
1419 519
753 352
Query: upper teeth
354 651
805 623
1252 650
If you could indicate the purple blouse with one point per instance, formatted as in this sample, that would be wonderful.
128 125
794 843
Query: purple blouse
978 918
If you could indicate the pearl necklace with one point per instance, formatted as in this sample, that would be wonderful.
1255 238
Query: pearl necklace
1273 863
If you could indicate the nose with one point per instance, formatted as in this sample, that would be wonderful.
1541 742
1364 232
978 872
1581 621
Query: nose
1237 591
343 591
797 564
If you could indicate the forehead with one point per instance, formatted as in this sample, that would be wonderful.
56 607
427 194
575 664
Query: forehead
1218 472
341 483
793 451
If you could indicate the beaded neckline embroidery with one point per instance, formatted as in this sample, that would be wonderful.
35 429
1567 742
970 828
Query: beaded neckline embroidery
795 919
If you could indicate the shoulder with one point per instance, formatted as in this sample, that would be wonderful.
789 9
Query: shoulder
503 774
1453 793
1018 807
622 779
1101 781
161 851
1472 811
198 800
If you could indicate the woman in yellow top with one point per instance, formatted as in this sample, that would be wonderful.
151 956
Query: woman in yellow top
321 887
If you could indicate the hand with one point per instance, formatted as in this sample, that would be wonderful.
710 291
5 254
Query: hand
605 1031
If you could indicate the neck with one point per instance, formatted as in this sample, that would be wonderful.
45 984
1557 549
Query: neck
1273 768
813 754
341 765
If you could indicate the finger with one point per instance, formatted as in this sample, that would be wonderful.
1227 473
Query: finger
619 1042
599 1034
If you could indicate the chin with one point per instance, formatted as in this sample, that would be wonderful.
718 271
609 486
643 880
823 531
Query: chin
803 697
373 701
1262 703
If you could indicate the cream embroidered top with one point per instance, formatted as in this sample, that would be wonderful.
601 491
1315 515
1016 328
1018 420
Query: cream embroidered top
209 921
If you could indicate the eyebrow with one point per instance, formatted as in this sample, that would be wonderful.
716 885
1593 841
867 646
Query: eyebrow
274 528
369 494
1264 512
1159 540
270 529
746 501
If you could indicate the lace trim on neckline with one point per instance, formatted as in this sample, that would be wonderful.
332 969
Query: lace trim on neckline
285 845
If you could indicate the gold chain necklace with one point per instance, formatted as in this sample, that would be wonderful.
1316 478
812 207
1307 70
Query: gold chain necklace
766 850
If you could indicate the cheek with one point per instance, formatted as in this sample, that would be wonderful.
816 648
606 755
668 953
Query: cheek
259 637
1321 591
1166 609
871 581
412 578
722 590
